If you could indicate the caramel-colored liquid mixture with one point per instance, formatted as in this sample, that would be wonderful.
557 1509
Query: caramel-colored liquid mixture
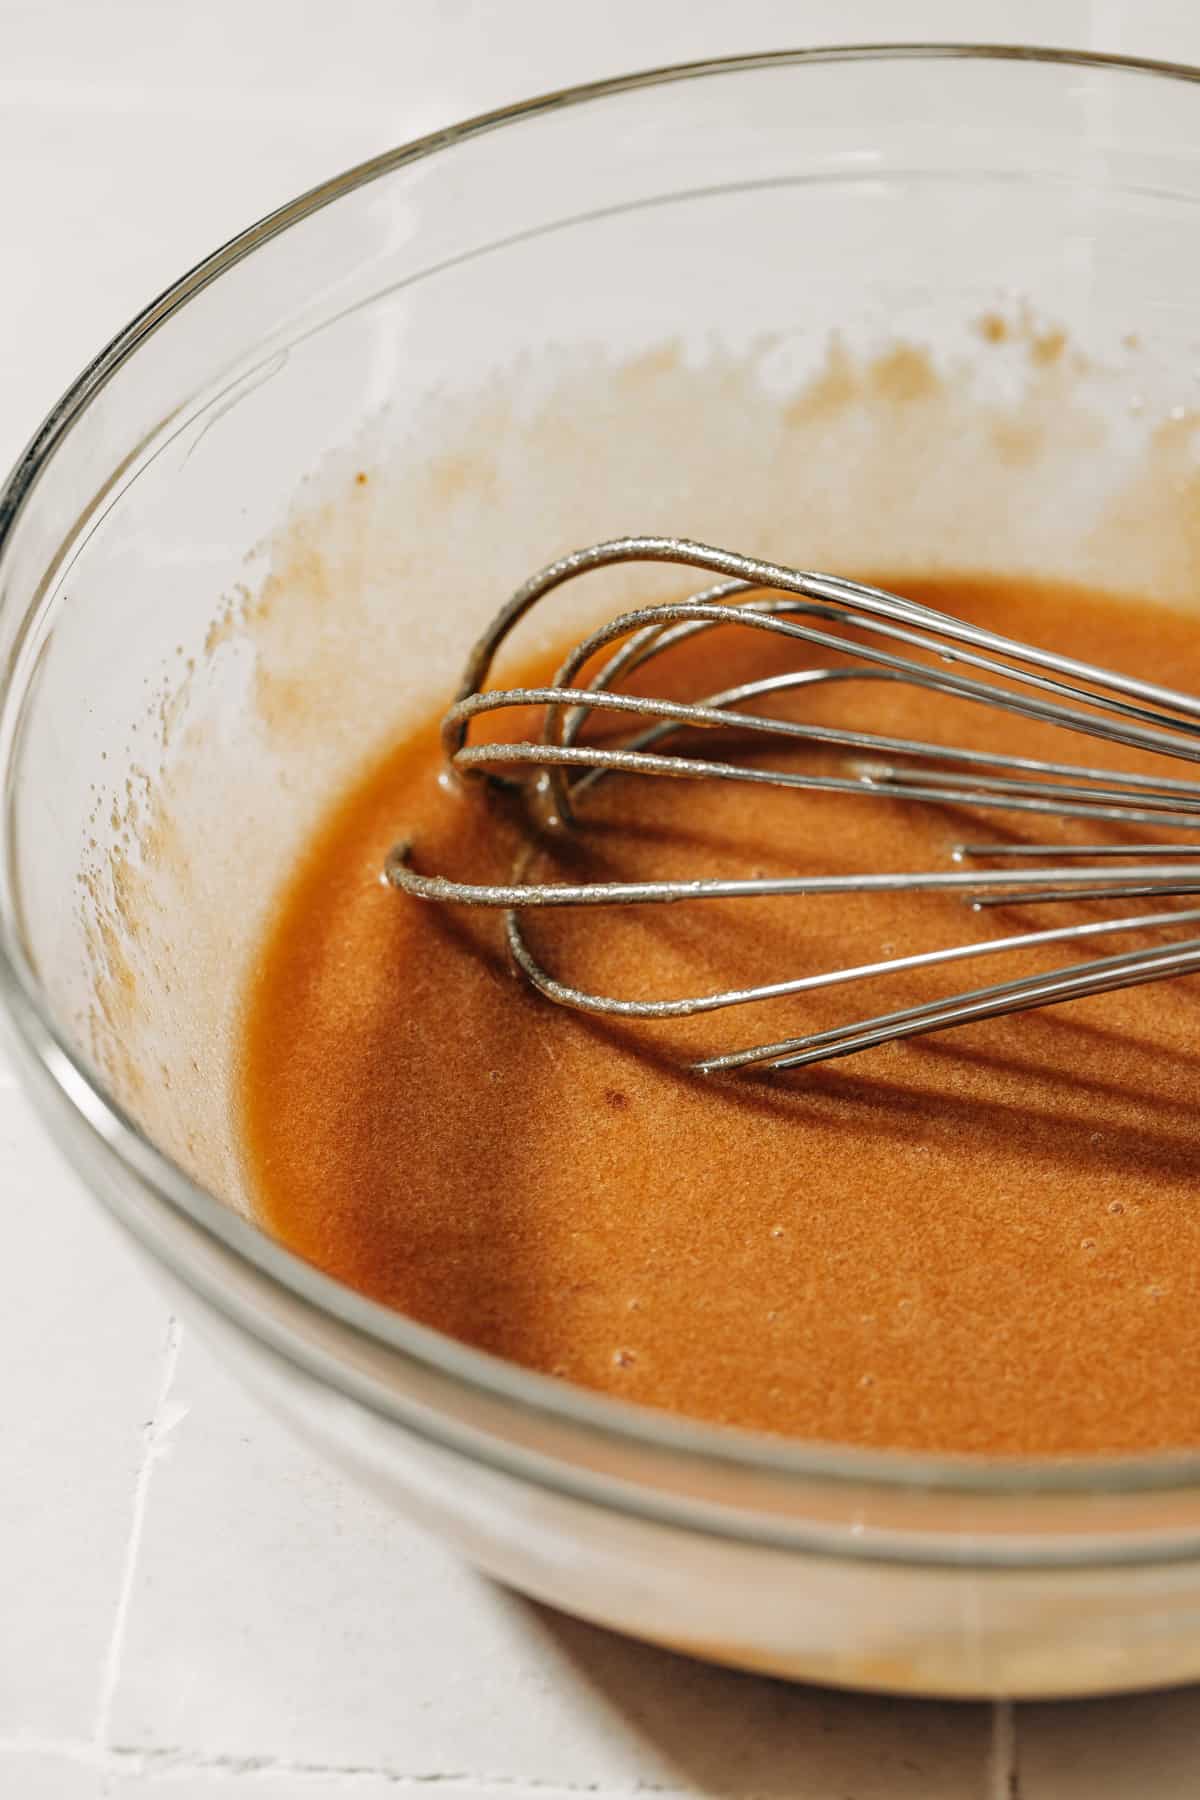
987 1240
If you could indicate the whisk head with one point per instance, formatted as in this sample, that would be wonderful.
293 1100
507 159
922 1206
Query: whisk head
862 638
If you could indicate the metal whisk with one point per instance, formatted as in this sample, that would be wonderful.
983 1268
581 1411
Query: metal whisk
871 629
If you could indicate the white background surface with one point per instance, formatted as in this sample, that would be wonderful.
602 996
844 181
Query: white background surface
188 1604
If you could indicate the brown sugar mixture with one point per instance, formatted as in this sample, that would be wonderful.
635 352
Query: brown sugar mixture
987 1240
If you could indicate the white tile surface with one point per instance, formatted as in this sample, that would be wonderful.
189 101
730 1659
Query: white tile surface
317 1620
49 1775
188 1604
81 1332
1146 1744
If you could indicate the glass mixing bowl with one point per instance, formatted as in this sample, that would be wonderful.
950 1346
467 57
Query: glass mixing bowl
869 308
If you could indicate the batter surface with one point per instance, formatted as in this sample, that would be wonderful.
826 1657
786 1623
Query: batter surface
984 1241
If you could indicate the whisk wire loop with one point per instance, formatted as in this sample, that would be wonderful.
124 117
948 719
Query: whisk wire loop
875 633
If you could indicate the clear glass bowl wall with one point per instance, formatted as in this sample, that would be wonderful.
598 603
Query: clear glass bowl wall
873 310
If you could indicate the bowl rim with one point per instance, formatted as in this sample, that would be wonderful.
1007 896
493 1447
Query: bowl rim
56 1071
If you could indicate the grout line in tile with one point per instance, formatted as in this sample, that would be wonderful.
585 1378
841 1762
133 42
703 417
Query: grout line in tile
154 1434
506 1787
1004 1782
169 1761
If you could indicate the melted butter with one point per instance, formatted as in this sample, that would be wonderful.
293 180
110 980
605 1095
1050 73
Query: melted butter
982 1241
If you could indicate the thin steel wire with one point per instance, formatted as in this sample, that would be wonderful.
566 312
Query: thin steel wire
828 613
